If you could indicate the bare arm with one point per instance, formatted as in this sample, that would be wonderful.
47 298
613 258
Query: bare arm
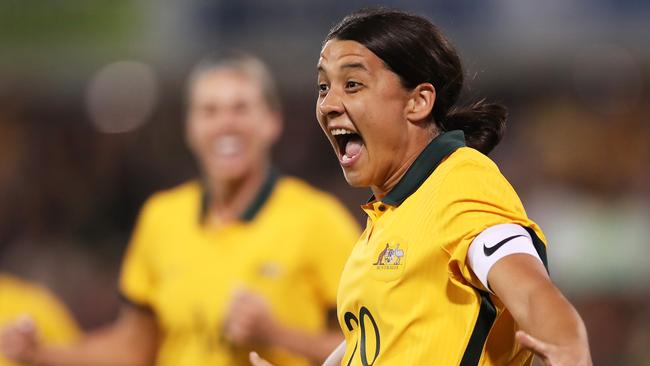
552 328
316 347
334 358
130 341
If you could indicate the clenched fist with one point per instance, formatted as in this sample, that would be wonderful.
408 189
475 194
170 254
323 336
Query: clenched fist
249 319
19 340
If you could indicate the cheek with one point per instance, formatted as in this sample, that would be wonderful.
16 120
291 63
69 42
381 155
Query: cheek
261 133
384 133
192 134
264 135
375 111
321 121
320 116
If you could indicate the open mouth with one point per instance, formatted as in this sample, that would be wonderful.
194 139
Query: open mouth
349 143
227 145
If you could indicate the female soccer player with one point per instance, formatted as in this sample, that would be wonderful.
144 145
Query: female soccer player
450 270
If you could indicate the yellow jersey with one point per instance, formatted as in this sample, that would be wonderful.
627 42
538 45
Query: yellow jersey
407 295
290 247
54 323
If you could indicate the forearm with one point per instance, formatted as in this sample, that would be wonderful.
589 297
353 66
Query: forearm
100 348
540 310
130 341
335 358
549 316
315 347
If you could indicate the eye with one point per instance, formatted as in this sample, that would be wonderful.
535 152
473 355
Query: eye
352 85
323 88
206 110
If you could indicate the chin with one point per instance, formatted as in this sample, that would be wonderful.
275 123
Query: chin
228 172
355 180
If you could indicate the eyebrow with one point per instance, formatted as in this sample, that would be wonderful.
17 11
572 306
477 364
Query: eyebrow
354 65
351 65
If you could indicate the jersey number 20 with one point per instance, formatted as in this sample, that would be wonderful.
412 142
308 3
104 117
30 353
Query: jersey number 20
360 322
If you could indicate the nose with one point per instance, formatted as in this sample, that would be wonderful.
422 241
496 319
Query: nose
330 105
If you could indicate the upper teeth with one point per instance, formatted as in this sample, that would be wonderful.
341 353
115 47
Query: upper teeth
341 131
227 145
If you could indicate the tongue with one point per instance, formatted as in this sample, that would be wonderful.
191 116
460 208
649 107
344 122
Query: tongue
352 148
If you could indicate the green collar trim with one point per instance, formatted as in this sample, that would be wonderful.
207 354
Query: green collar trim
255 206
262 196
428 160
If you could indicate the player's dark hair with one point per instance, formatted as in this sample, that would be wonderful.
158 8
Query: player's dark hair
417 51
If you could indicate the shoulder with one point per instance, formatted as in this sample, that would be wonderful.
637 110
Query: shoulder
307 198
181 193
316 214
17 286
467 175
25 293
467 159
303 193
469 169
184 197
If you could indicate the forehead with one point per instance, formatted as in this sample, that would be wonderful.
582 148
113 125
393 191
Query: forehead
225 84
232 77
338 54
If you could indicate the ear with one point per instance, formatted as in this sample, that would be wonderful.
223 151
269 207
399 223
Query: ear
190 134
420 102
276 126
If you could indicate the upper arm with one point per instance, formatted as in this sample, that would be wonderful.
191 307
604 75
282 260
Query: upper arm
135 332
137 322
497 242
536 304
516 279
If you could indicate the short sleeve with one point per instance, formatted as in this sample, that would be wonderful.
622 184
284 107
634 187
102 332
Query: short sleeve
137 279
475 196
335 232
55 323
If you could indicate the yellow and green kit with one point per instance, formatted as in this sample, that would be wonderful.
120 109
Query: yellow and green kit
289 246
407 295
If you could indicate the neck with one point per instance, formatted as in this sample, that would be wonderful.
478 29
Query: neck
229 199
417 143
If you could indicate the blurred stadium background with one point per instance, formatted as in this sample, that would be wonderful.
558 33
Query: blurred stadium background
91 111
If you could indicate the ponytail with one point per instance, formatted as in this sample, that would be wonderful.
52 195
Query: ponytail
483 124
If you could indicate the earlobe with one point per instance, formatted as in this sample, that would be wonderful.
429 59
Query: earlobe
421 102
277 127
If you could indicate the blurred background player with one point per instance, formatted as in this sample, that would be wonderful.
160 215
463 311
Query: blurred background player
241 257
34 305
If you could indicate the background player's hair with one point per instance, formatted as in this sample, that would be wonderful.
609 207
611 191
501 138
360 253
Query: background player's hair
417 51
245 63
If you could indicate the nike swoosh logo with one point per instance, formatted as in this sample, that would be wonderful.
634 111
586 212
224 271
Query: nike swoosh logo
489 251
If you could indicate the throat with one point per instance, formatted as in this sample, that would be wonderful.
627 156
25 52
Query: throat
228 200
